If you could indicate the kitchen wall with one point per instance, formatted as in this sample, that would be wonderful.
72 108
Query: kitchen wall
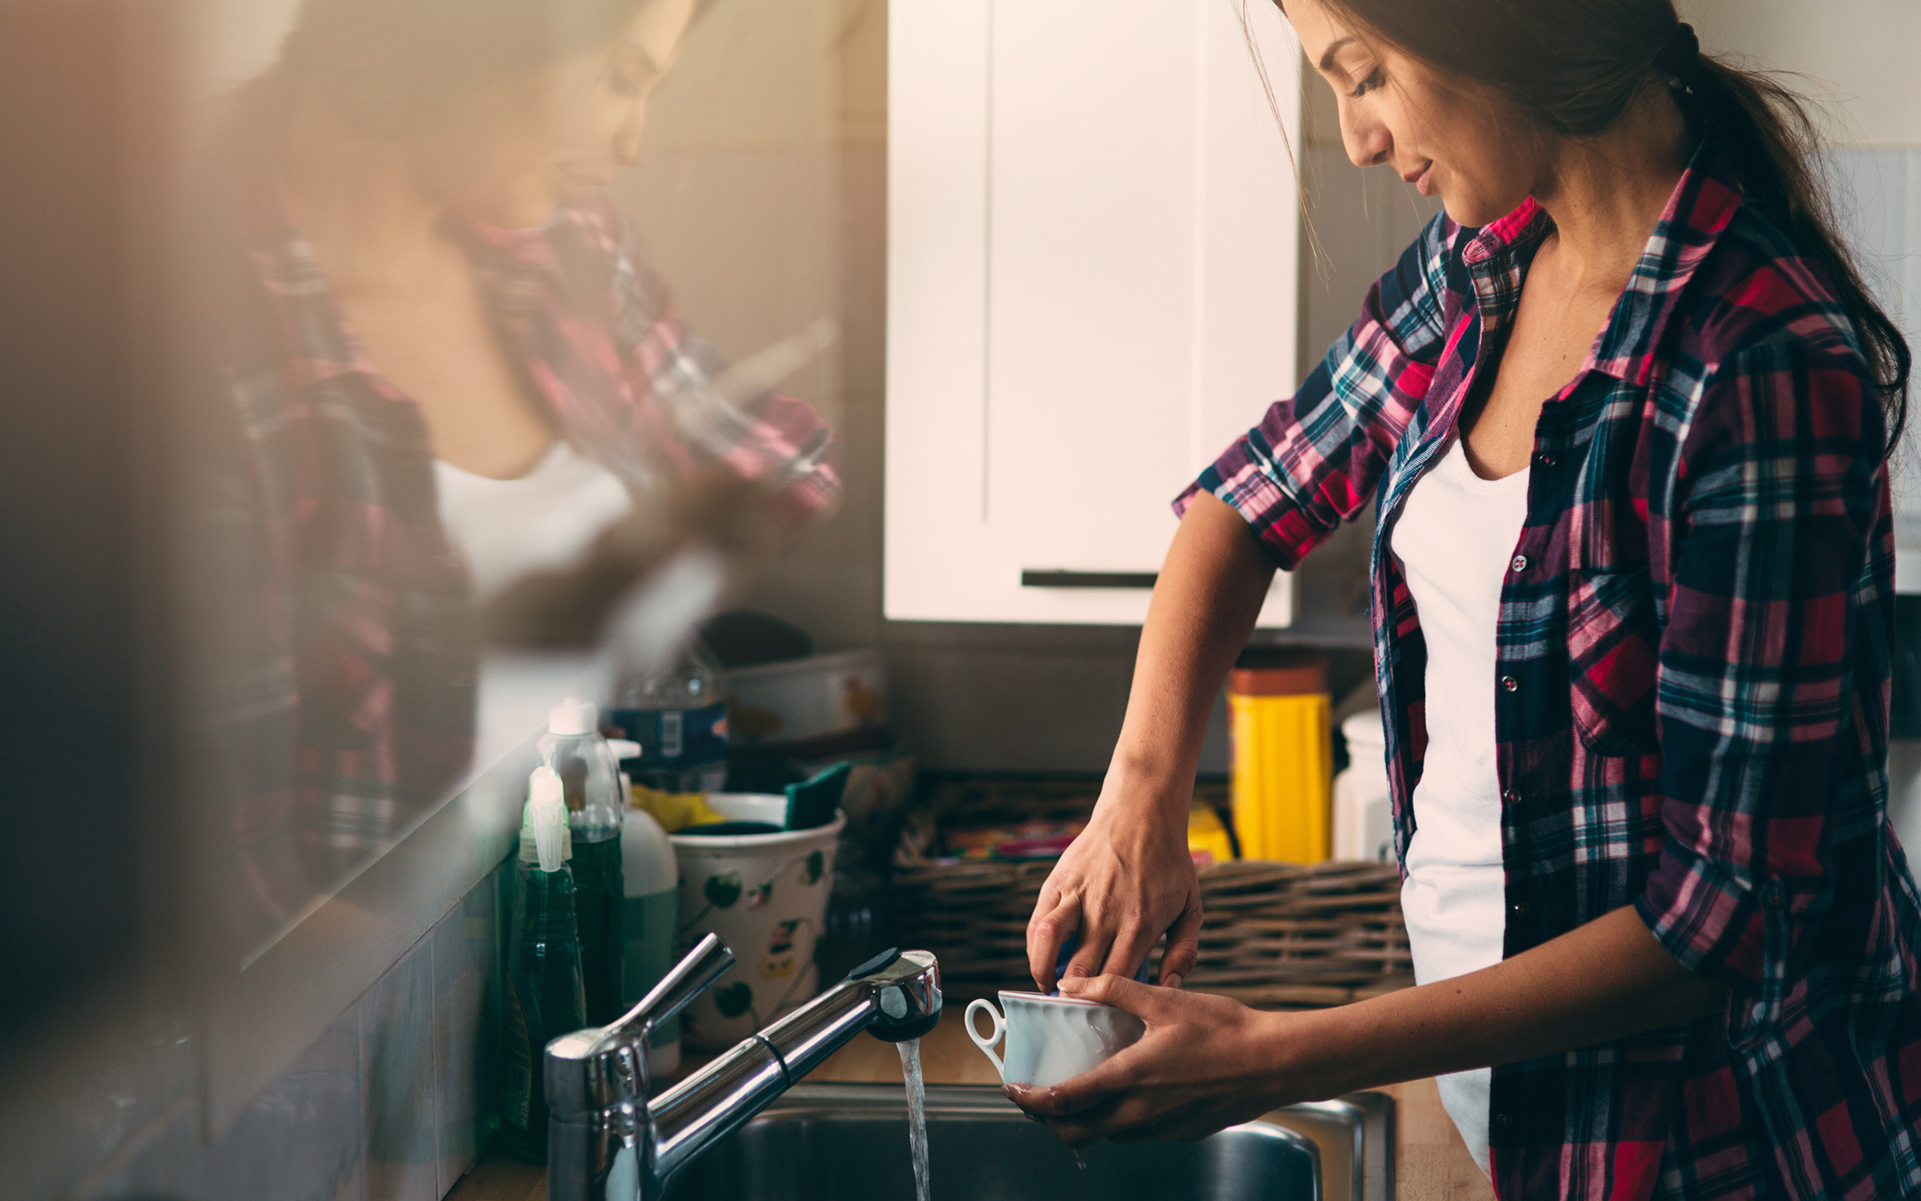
1015 697
1000 697
966 696
735 196
1856 56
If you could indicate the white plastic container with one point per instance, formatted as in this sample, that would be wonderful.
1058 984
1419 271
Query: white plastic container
649 912
801 700
1363 807
766 896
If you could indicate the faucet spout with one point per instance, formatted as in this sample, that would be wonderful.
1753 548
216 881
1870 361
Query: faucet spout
609 1142
896 1001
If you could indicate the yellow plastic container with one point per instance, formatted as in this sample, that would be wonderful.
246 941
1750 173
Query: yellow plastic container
1280 723
1206 833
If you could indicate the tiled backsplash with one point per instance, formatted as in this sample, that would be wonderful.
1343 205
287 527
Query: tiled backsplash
391 1103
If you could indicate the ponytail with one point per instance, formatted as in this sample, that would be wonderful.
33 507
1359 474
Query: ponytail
1774 139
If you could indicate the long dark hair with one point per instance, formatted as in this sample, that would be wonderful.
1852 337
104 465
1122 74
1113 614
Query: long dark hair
1573 67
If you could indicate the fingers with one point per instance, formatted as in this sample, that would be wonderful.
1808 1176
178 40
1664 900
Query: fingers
1128 1127
1130 950
1129 1118
1046 931
1077 1132
1183 944
1050 893
1090 954
1078 1097
1119 991
1083 1129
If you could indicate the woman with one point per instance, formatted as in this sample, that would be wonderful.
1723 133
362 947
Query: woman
1633 599
450 374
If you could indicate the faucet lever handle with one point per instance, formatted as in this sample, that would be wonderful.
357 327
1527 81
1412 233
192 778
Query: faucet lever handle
605 1065
697 970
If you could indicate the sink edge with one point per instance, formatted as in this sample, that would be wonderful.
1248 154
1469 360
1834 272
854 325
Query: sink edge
1354 1128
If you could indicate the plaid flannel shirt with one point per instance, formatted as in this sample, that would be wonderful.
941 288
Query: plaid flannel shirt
343 670
1694 651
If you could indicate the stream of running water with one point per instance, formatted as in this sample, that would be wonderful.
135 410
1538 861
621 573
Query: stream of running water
916 1116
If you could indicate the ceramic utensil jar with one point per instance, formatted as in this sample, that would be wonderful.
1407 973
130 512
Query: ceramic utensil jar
1050 1039
766 895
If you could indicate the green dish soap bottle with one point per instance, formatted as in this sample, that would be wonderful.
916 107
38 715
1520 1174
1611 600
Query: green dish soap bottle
577 753
545 996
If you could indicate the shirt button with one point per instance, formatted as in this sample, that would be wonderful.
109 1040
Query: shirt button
1510 683
1519 563
1547 460
1520 908
1504 1120
1774 894
1511 797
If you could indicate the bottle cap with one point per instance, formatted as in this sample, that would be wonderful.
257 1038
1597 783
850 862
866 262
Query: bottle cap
547 816
574 716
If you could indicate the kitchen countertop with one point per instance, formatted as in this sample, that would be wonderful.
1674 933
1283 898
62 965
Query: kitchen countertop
1431 1163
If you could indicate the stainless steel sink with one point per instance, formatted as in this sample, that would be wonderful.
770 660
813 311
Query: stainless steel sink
848 1142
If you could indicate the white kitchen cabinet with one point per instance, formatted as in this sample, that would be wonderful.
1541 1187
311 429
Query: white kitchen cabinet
1092 287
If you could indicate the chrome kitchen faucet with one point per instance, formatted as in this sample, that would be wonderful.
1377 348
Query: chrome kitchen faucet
609 1140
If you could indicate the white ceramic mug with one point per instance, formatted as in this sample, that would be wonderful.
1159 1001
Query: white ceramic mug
1050 1039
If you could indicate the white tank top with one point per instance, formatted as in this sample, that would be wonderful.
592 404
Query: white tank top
544 521
1455 536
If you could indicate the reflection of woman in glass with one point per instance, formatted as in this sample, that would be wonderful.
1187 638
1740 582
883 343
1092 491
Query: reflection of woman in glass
450 373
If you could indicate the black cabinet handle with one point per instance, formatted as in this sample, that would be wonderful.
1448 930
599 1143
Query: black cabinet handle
1088 579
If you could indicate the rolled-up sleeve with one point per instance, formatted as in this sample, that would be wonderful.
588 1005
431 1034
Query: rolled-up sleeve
1784 479
1315 458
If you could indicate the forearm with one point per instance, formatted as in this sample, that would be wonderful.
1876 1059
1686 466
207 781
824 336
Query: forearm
1204 606
1606 980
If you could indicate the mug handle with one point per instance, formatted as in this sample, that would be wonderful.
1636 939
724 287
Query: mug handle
980 1004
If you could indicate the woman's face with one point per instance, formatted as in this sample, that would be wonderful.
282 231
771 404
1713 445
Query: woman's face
510 153
1449 139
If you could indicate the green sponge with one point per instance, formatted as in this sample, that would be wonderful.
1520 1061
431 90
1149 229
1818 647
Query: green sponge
812 802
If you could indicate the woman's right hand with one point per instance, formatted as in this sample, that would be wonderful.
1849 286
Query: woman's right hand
1128 879
1122 884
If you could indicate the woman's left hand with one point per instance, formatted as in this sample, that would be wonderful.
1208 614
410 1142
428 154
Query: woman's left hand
1205 1063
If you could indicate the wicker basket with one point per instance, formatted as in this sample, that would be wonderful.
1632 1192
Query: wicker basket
1274 934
